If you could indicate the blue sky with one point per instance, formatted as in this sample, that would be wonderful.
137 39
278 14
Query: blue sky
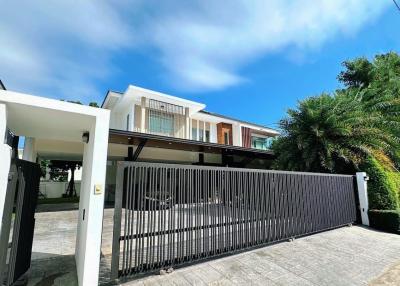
248 59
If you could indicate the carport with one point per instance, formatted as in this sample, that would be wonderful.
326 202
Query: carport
61 125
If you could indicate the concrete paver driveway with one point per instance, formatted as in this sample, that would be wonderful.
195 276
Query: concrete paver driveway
345 256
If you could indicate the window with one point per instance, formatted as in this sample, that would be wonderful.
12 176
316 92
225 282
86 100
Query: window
127 122
201 131
226 137
207 133
161 123
194 129
262 143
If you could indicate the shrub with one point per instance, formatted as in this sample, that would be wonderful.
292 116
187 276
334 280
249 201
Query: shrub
394 178
382 193
386 220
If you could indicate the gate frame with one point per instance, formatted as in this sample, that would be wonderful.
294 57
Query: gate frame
17 190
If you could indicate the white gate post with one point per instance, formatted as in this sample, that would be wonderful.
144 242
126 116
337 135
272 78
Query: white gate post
362 179
5 159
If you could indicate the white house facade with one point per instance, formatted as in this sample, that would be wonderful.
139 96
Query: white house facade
146 111
136 125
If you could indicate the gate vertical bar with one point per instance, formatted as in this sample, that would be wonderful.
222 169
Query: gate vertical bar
117 222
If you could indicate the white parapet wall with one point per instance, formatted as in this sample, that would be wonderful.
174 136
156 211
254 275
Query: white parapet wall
51 189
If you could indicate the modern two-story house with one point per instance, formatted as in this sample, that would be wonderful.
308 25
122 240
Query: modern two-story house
139 111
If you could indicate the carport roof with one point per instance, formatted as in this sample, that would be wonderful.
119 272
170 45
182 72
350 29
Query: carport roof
158 141
44 118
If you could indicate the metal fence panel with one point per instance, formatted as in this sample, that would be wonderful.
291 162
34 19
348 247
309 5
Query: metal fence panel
168 215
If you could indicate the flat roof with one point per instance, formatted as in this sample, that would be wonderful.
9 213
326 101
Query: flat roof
238 120
158 141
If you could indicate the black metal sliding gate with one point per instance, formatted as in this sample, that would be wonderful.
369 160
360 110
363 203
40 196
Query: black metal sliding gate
22 193
168 215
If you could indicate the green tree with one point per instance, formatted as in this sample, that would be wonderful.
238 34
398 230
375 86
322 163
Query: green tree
356 128
93 104
59 172
330 134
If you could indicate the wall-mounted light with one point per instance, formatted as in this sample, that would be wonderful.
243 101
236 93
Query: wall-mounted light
85 137
366 178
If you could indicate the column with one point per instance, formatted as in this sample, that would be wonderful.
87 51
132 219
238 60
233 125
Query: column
187 123
91 203
143 115
362 179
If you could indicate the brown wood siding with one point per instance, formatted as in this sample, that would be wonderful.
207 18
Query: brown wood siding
246 137
222 128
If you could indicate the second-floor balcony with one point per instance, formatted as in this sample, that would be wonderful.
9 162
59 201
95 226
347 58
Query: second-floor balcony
162 118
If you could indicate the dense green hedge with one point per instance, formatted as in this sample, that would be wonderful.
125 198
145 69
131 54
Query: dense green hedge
394 178
387 220
382 186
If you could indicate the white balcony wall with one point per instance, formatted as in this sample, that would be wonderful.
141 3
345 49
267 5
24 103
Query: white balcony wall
119 120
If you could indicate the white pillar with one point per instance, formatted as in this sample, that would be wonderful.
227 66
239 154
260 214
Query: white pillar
197 130
30 153
88 243
213 133
187 123
5 160
143 115
237 134
362 179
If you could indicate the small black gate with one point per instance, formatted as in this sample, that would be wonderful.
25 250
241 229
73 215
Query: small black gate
21 198
168 215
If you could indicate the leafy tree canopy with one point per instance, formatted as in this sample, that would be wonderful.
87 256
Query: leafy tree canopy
336 132
92 103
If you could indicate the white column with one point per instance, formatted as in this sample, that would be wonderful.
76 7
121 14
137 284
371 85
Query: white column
197 129
132 119
213 133
143 115
30 153
88 243
237 134
5 160
187 123
204 131
362 179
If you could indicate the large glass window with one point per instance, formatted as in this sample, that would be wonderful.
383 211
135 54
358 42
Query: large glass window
161 123
262 143
226 137
201 131
194 129
207 133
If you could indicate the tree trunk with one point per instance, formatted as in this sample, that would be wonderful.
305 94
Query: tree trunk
71 192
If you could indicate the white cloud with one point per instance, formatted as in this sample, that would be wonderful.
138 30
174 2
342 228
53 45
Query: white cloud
63 47
204 47
59 48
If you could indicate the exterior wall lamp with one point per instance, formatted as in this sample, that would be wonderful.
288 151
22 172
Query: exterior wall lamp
85 137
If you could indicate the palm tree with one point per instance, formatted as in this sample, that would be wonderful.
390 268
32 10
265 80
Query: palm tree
333 134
